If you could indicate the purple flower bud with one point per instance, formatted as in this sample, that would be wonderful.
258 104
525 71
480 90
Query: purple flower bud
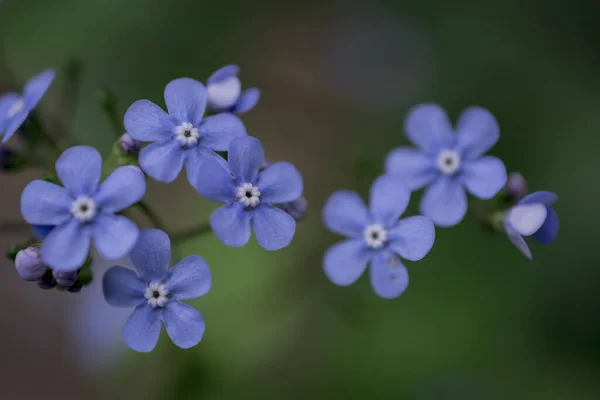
30 265
47 281
516 187
128 144
65 278
75 288
297 208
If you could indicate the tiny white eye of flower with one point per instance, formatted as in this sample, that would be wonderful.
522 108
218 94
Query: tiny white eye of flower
187 134
156 294
248 195
224 94
18 106
83 208
448 161
375 236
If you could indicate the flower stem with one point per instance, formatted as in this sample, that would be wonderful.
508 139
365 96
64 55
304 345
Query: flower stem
191 232
108 104
151 215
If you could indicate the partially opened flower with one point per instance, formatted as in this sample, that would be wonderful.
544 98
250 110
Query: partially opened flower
224 91
376 237
156 293
15 107
183 136
83 209
449 161
250 195
532 216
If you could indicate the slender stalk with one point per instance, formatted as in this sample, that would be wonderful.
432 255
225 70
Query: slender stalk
190 233
108 103
151 215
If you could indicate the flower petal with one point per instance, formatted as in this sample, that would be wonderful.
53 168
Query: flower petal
428 127
477 131
527 218
231 224
389 199
389 277
445 202
245 157
273 227
547 198
7 101
186 100
517 240
147 122
114 235
416 168
184 324
484 177
142 329
189 278
345 262
194 166
247 101
14 123
44 203
79 169
151 255
36 87
223 73
548 232
280 183
66 247
345 213
214 183
217 131
162 160
122 287
123 188
412 238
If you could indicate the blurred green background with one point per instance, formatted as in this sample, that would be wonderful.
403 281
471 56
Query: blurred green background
478 321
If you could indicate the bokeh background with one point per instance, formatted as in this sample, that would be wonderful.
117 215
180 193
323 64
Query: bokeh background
478 321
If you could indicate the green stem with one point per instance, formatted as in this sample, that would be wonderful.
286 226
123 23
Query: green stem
151 215
191 232
108 103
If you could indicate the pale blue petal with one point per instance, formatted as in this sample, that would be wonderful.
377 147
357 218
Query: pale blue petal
245 157
142 329
195 157
151 255
147 122
185 326
231 224
247 101
36 87
412 238
428 127
445 202
79 169
186 100
415 167
389 278
223 73
280 183
477 131
123 188
273 227
483 177
345 213
66 247
188 279
527 219
122 287
214 182
389 199
44 203
114 235
162 160
345 262
517 240
217 131
7 101
547 198
548 232
41 231
13 124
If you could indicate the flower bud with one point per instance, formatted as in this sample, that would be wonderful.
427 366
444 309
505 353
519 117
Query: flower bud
75 288
223 88
29 264
516 187
128 145
47 281
65 278
297 208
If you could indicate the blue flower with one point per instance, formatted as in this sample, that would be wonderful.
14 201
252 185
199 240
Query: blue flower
224 91
14 107
183 135
250 196
376 237
82 209
532 216
449 162
155 292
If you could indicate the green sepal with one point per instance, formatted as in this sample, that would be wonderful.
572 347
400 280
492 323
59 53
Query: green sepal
48 177
117 159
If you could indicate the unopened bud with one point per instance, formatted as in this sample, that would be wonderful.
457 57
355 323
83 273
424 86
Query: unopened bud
297 208
516 187
128 145
29 264
47 281
65 278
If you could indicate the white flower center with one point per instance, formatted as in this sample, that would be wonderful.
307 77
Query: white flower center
18 106
448 161
224 94
375 236
248 194
187 134
156 294
84 209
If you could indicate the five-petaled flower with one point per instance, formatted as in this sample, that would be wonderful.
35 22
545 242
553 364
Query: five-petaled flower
15 108
181 136
224 92
250 196
376 236
532 216
83 209
156 293
449 162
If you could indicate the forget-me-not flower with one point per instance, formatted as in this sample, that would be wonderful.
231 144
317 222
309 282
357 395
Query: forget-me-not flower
84 209
250 196
156 292
181 136
15 108
532 216
449 161
376 237
224 91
